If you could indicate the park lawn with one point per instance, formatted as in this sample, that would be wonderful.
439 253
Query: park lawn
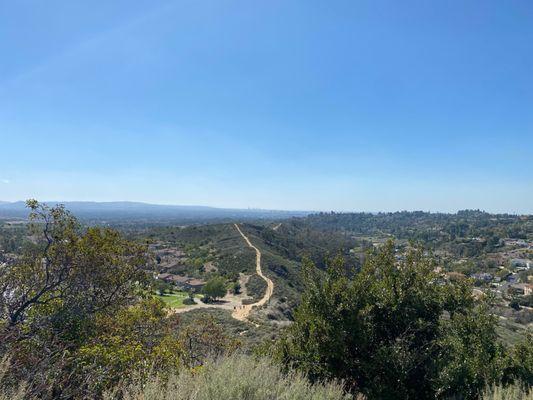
174 299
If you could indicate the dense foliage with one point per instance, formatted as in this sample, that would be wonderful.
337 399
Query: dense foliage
396 330
214 289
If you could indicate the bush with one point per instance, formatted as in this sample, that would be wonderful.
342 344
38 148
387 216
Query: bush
189 302
135 338
396 330
234 377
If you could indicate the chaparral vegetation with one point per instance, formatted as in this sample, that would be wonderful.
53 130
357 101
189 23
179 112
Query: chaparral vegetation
83 314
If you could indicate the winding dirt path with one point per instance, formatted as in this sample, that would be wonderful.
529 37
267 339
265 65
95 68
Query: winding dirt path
242 312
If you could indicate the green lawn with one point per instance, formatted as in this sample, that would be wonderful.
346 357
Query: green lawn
175 299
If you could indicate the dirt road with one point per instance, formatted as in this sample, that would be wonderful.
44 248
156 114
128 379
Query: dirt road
242 312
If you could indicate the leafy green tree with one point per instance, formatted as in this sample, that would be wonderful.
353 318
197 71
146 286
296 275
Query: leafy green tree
470 356
69 270
214 288
388 331
60 296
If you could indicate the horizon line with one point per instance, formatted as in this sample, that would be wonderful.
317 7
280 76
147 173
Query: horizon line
351 211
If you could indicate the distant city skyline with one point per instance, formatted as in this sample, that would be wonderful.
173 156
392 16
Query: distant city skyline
283 105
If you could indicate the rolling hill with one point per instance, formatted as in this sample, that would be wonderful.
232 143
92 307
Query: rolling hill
150 213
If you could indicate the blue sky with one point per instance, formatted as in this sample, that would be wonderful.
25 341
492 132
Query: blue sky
323 105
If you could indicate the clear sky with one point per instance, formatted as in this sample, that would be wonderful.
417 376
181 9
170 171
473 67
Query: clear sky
323 105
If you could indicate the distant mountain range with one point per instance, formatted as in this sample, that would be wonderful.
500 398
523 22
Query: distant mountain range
135 211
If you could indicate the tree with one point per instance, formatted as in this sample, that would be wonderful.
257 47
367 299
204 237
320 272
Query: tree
470 356
388 331
60 296
69 270
214 288
514 304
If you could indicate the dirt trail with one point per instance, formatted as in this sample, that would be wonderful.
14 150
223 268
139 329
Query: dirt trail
232 302
242 312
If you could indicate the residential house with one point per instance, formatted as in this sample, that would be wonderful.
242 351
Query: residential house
520 289
521 264
482 276
183 282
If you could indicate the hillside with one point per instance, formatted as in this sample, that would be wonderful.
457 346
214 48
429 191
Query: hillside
470 244
218 249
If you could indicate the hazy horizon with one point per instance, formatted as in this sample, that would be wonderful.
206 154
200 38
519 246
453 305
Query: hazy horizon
67 202
299 105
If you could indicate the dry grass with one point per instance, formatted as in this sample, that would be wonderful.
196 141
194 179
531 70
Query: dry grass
235 377
507 393
240 377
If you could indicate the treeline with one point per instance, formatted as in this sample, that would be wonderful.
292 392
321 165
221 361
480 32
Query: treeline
12 238
403 224
454 231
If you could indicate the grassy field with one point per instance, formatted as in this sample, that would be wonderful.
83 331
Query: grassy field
175 299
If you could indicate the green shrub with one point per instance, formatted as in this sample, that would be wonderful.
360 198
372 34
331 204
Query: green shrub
395 330
189 302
